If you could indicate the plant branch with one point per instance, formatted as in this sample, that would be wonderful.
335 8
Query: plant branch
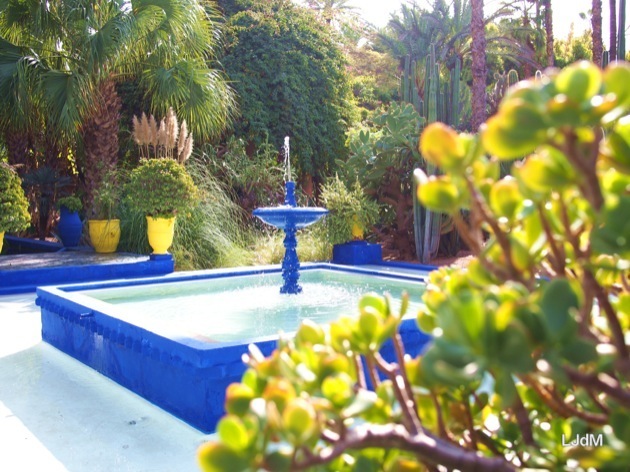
429 449
618 336
371 368
558 260
565 410
522 419
585 165
605 383
499 234
411 420
358 366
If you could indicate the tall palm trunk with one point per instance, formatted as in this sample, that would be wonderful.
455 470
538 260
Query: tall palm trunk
621 34
549 33
478 52
612 4
100 139
596 24
19 146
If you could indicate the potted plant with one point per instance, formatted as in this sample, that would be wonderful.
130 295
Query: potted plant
14 215
161 188
103 226
70 226
351 214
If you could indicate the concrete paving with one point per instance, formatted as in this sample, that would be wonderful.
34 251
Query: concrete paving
57 414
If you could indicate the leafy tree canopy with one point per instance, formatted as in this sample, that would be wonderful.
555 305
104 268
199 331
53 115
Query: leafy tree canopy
291 81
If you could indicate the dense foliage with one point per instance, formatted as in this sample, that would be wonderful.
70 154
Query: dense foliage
529 366
382 158
161 188
290 78
351 211
14 215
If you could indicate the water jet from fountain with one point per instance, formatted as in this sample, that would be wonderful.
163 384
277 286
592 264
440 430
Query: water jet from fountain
289 218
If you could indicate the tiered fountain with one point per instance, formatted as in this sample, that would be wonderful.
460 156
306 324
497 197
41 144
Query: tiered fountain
289 218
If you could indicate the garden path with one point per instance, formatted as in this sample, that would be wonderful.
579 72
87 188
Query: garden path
58 415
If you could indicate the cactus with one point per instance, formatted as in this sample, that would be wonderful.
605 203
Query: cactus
439 101
502 83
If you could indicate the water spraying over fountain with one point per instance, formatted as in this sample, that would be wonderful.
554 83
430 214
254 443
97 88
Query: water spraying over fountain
289 217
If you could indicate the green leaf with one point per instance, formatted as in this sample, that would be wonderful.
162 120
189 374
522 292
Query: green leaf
620 422
233 433
579 351
557 303
612 236
216 457
505 388
439 195
579 81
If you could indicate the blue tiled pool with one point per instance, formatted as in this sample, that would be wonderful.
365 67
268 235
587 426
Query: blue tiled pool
178 340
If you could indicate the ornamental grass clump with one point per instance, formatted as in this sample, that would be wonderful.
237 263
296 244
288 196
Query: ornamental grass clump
164 140
14 214
529 364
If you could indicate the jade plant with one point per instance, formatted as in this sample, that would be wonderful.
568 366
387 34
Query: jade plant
14 215
161 188
529 363
351 211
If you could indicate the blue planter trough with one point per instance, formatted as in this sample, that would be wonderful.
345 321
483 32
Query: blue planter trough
357 253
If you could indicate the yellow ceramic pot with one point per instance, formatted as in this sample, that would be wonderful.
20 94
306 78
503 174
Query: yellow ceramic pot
1 239
104 234
160 232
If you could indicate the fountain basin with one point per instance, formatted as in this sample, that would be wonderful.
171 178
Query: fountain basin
287 216
182 369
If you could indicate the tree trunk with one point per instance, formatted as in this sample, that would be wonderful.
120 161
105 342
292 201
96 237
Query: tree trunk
478 65
613 30
621 32
100 139
19 146
596 24
549 34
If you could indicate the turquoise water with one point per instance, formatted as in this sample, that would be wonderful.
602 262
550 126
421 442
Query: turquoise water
245 307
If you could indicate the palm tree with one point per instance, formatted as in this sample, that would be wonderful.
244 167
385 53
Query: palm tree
479 72
61 60
621 32
331 10
596 22
612 5
549 33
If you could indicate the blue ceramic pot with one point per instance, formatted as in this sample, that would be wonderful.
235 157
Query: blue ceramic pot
70 227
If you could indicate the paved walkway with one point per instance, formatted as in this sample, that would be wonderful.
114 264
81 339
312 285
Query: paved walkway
56 414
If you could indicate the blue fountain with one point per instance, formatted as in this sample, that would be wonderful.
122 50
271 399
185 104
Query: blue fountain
289 218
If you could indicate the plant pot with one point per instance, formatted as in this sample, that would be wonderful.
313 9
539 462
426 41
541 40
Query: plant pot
357 253
104 235
70 227
160 232
357 229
